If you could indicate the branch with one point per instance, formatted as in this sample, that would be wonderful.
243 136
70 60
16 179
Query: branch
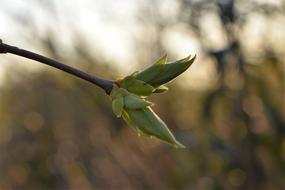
106 85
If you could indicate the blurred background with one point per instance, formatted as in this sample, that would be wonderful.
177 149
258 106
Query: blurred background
59 132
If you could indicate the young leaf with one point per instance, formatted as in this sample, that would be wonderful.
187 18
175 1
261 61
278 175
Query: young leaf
118 106
127 81
115 92
150 124
140 88
132 101
160 89
153 71
172 70
127 119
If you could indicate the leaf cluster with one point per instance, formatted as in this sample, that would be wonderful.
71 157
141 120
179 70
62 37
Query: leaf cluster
128 97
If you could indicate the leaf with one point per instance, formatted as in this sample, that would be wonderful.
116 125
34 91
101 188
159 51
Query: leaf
129 122
153 71
118 106
140 88
115 91
160 89
132 101
127 81
127 119
172 70
150 124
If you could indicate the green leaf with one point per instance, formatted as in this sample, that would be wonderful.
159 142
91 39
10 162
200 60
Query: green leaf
153 71
127 119
160 89
132 101
118 106
150 124
129 122
172 70
140 88
115 92
127 81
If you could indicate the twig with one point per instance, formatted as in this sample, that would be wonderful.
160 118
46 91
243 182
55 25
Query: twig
102 83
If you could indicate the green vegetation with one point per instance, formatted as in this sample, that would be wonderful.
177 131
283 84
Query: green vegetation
128 97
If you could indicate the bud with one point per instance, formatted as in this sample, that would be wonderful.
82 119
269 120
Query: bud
151 79
170 71
128 97
153 71
147 122
160 89
132 101
118 105
135 86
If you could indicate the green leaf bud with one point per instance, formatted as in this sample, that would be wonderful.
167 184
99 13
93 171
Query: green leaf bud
150 124
128 93
153 71
118 106
172 70
160 89
132 101
141 88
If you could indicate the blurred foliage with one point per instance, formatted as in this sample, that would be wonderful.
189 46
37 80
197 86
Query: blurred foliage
58 132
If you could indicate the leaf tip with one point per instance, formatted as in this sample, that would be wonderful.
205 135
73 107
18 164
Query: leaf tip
179 145
162 60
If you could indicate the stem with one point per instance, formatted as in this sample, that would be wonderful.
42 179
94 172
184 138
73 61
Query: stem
106 85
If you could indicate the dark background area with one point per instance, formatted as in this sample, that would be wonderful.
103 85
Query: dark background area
59 132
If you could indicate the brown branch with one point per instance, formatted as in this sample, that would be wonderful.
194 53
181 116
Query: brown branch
102 83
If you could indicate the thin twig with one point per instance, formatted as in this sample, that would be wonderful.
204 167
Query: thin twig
102 83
